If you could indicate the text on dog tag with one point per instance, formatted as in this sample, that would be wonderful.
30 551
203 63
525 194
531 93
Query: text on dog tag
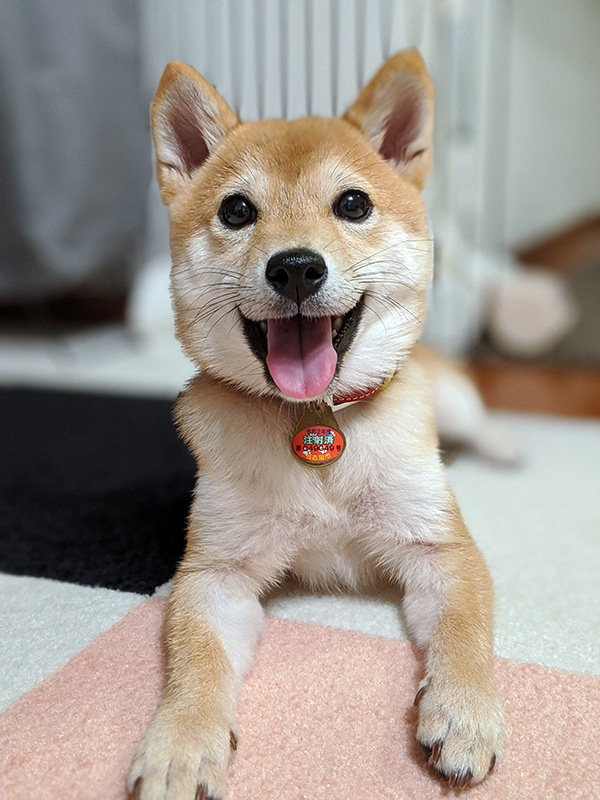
317 440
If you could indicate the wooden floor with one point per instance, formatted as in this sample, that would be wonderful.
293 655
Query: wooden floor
570 391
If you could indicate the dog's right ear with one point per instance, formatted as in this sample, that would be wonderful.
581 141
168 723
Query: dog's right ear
395 113
189 119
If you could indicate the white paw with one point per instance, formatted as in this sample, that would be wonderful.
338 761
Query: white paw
182 756
461 729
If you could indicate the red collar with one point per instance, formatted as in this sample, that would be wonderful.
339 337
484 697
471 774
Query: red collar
355 397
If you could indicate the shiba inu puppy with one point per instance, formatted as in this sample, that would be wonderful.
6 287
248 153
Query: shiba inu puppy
301 257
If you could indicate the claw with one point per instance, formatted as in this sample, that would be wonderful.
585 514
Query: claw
492 764
420 694
465 780
436 752
200 793
453 780
426 749
233 742
136 789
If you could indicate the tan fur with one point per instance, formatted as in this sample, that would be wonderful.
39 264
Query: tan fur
384 512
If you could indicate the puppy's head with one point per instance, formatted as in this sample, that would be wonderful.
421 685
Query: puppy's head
300 249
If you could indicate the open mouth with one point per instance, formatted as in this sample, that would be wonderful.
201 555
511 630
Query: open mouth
301 355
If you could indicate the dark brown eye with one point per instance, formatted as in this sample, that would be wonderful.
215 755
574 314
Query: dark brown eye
237 211
353 205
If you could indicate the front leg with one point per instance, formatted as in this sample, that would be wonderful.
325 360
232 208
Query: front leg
213 622
448 607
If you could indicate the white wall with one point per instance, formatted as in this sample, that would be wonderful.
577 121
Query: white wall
554 122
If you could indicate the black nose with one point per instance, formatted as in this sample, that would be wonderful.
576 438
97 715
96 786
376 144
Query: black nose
296 273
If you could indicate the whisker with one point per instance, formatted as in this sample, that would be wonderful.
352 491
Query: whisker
226 273
366 258
396 264
393 263
392 304
329 243
260 250
228 287
375 312
365 283
343 158
208 309
235 323
216 322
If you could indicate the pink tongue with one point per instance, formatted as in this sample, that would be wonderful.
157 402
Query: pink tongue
301 357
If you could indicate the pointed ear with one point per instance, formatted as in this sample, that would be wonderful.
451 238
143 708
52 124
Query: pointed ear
395 113
189 119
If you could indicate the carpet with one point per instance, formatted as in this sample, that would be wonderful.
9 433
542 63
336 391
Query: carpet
324 714
87 481
94 489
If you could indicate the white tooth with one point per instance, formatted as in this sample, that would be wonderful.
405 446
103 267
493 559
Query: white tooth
337 324
263 327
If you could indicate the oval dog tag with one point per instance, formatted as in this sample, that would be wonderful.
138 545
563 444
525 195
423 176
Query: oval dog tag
317 440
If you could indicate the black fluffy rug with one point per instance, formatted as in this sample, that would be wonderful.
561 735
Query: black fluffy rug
93 489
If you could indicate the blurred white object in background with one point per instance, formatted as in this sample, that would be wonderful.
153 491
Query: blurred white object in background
525 312
530 312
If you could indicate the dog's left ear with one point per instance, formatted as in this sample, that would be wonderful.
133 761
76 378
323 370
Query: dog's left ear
395 113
